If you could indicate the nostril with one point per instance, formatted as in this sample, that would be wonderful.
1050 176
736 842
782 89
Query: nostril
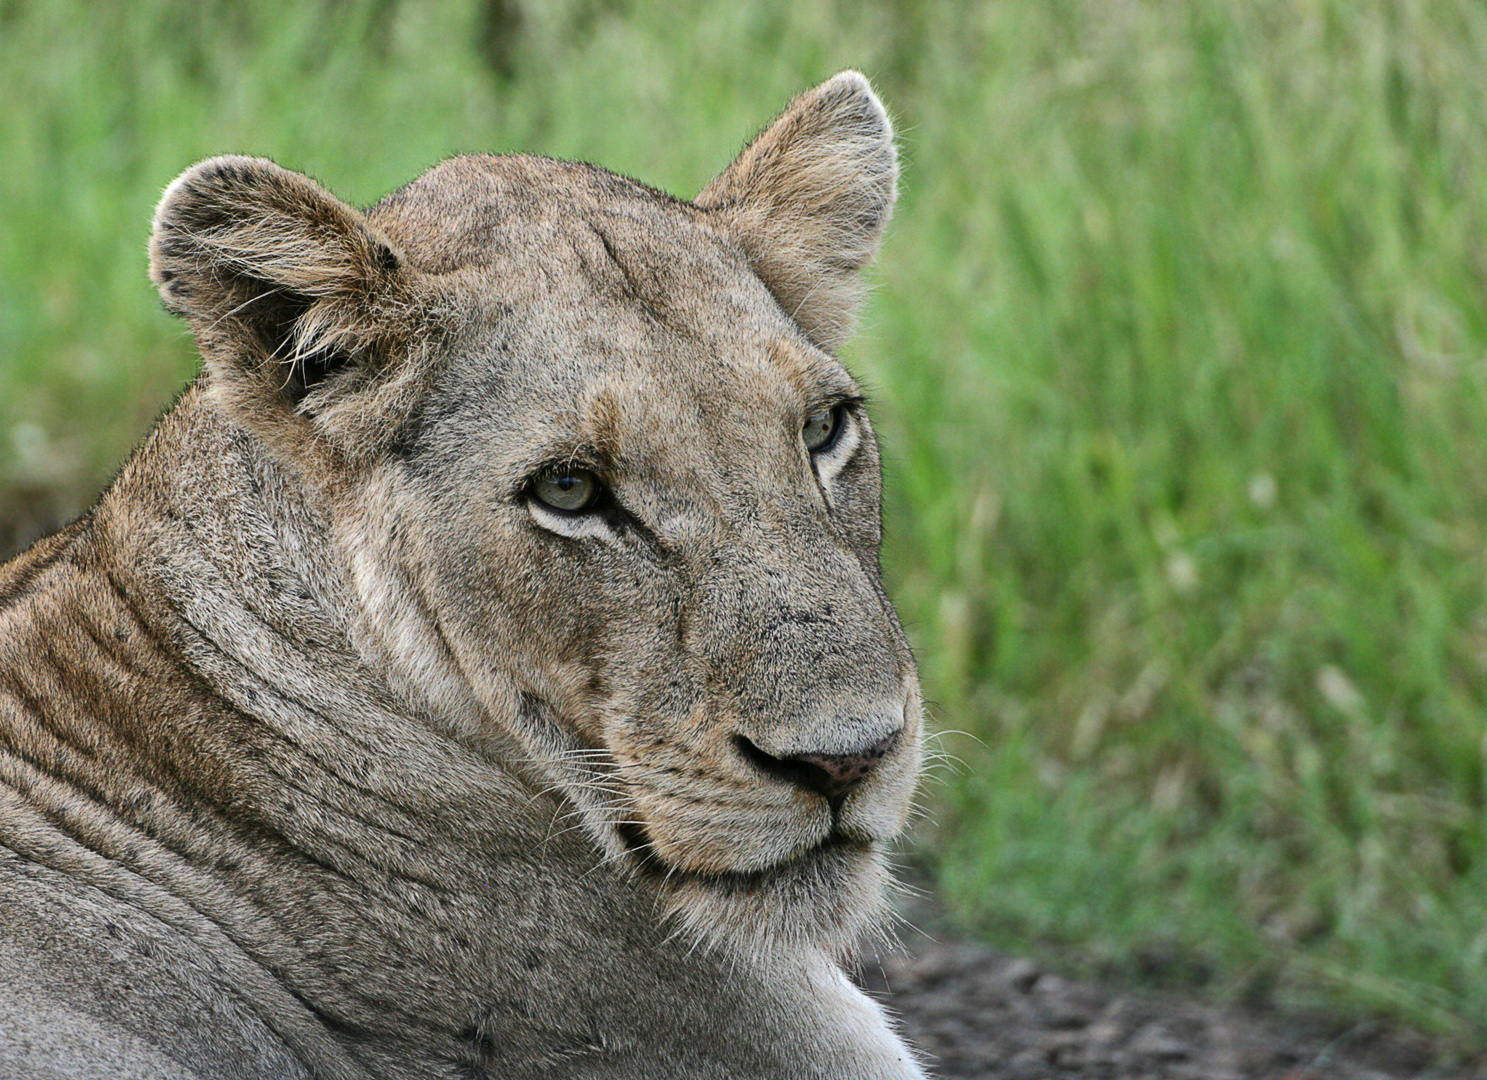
791 770
829 775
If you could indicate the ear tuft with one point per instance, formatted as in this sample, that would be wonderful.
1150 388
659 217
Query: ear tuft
281 281
808 201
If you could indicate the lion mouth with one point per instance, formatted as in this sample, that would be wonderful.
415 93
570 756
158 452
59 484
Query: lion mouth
653 865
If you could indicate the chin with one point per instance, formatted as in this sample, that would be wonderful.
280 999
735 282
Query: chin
826 897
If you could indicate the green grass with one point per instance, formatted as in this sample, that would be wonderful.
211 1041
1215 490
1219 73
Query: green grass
1180 351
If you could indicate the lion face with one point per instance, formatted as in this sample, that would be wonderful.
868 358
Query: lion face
607 505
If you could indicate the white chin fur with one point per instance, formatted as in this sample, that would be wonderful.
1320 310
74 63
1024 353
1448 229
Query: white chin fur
828 906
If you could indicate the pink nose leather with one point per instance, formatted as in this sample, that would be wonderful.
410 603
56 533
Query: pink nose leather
833 775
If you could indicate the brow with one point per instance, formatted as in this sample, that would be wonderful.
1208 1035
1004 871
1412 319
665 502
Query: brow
816 378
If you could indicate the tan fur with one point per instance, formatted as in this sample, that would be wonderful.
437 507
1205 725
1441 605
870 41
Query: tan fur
352 758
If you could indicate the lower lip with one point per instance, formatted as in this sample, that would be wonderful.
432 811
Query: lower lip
653 865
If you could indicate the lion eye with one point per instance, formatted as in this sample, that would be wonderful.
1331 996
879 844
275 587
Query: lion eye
821 429
570 490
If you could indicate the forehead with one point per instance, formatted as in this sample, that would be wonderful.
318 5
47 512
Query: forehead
627 394
614 312
575 249
504 212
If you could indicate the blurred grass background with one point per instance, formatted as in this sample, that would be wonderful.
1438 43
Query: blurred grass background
1180 350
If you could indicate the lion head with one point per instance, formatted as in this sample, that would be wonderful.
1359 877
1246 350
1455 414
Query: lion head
605 504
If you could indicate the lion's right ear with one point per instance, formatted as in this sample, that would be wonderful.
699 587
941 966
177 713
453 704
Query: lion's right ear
808 200
284 285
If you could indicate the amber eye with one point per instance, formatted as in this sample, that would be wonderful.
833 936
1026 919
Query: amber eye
570 490
821 429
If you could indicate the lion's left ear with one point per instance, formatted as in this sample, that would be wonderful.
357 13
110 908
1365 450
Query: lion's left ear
304 312
808 200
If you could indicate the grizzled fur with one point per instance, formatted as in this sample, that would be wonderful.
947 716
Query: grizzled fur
328 749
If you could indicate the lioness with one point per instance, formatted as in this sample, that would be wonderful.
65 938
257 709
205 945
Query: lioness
483 669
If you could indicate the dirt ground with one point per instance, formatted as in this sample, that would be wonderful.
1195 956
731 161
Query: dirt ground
983 1015
28 512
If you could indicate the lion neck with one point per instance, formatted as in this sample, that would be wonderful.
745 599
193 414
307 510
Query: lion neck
233 567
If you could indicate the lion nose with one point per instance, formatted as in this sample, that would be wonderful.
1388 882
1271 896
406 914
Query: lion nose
829 775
